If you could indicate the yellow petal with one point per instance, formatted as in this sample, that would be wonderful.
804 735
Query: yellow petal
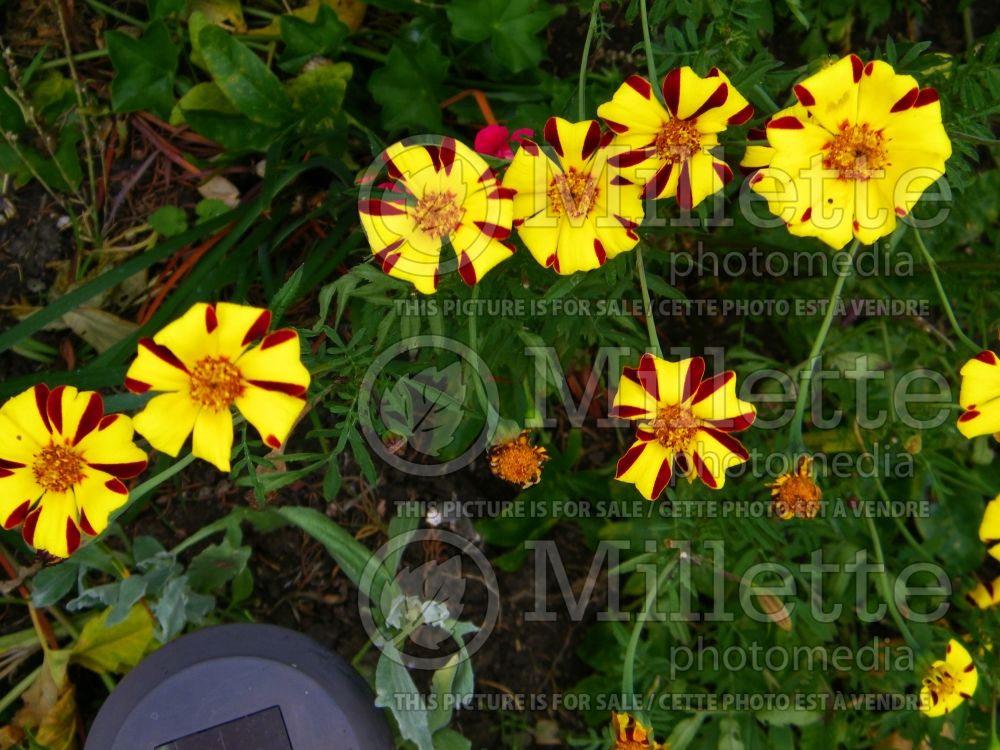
989 528
574 142
28 412
110 448
477 253
189 338
980 395
97 497
74 414
238 326
272 413
706 175
634 108
874 211
716 401
712 453
277 362
647 465
52 526
213 437
18 492
757 157
167 421
156 368
834 91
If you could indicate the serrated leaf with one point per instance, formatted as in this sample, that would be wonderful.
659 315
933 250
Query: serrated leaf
304 39
511 26
409 86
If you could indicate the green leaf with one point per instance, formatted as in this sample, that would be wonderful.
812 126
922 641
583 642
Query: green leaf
163 8
217 564
51 584
409 87
395 690
130 591
144 70
511 26
114 648
11 116
243 78
206 109
449 739
684 732
304 40
169 220
317 96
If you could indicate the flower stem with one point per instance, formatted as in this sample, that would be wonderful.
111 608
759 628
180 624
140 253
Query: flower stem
647 306
648 45
932 266
628 666
795 444
582 96
883 579
153 482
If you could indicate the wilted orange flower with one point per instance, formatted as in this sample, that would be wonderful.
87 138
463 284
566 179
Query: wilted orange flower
206 362
518 461
685 421
62 462
949 682
796 494
630 734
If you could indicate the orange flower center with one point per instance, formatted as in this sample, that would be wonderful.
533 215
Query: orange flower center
58 468
677 141
856 152
216 383
437 214
940 680
518 462
573 193
674 427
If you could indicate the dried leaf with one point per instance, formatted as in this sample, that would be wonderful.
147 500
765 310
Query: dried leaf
114 648
221 189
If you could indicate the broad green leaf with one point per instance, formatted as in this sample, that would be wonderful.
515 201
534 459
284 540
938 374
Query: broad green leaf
51 584
163 8
206 109
684 732
243 78
395 690
144 70
449 739
317 96
305 40
227 13
409 87
216 565
114 648
169 220
512 27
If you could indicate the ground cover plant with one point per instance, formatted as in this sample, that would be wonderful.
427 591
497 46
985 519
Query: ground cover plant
597 375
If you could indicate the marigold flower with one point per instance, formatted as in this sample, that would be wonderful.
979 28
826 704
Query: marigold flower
518 461
857 151
980 395
986 594
672 147
630 734
947 683
573 209
795 494
989 529
204 363
496 140
438 193
686 421
62 462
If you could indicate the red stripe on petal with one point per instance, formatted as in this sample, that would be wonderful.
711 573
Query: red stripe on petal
375 207
870 68
495 231
724 172
657 184
466 270
123 470
906 100
72 536
447 153
696 371
968 416
804 95
17 515
54 408
211 318
703 472
786 123
733 424
685 198
807 214
591 141
672 90
5 464
600 252
641 434
435 153
987 357
717 99
28 529
91 417
900 211
627 223
259 327
107 421
530 146
710 386
640 85
163 353
757 134
628 460
730 443
272 441
628 412
41 402
925 97
503 193
278 337
136 386
646 374
551 135
857 68
631 158
4 473
116 486
662 477
742 116
290 389
616 127
85 524
618 181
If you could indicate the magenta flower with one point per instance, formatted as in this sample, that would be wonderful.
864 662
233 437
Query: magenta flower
496 140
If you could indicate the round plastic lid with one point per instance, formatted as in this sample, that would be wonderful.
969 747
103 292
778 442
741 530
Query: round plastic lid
241 687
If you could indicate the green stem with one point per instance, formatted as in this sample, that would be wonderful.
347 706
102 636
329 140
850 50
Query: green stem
648 45
883 578
795 444
101 7
94 54
586 57
18 689
647 306
628 668
944 297
153 482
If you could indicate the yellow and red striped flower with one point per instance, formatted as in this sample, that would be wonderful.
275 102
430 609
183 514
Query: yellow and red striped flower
572 208
62 462
204 363
980 395
948 682
631 734
669 150
686 423
986 594
857 151
437 193
989 527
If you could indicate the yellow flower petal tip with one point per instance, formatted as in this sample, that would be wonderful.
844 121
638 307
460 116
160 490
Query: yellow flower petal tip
686 422
573 208
667 150
949 682
853 155
436 193
985 595
979 395
795 494
630 734
989 528
212 358
518 461
62 466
